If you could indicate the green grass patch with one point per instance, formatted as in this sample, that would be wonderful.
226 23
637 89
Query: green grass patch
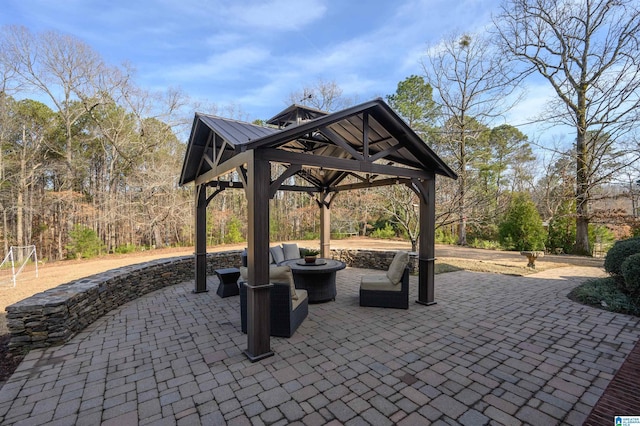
441 268
603 293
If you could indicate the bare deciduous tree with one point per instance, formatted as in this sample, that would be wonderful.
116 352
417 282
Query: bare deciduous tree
588 52
322 95
472 85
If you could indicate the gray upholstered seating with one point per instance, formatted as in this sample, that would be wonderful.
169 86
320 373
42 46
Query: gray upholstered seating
286 251
289 306
390 289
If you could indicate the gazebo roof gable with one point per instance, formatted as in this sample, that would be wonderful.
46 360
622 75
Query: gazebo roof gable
370 133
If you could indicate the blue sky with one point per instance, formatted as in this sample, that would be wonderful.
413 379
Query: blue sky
254 54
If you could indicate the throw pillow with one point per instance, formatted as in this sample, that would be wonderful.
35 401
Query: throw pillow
291 251
277 254
244 273
282 274
396 269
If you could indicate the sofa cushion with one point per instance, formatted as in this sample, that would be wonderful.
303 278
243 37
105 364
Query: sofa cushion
277 254
378 282
282 274
398 264
291 251
301 296
277 274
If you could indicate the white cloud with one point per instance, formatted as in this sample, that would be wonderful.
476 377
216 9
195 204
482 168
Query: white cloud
274 15
225 65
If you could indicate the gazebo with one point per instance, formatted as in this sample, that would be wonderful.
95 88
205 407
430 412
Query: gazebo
367 145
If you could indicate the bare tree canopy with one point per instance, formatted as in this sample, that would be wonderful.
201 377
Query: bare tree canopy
472 84
588 51
323 95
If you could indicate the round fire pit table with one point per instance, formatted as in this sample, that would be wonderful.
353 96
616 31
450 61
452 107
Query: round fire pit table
318 278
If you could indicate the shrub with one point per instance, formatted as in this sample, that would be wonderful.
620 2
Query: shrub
84 242
386 233
630 270
485 244
444 237
124 249
482 232
562 228
618 254
601 238
522 228
234 235
309 235
605 294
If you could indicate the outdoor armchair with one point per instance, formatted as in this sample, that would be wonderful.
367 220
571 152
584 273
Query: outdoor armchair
389 289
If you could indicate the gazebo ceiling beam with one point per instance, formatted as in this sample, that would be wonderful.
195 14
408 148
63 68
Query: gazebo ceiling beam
342 164
223 144
242 174
300 188
371 184
205 156
290 171
365 136
338 140
384 153
224 184
219 169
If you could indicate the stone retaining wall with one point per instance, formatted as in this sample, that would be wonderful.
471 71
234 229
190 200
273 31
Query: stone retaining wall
54 316
371 259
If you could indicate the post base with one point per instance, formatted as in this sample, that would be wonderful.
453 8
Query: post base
419 302
254 358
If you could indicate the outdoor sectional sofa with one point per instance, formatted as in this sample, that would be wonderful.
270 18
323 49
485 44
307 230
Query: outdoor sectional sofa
278 254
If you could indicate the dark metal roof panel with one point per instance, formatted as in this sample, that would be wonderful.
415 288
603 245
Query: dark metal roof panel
386 129
235 132
295 113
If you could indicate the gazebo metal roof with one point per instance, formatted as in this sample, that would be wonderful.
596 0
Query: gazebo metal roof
328 142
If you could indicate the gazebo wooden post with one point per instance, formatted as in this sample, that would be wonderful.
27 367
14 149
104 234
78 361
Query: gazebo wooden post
201 239
325 227
258 288
427 250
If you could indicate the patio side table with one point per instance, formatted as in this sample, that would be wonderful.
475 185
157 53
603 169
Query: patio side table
228 282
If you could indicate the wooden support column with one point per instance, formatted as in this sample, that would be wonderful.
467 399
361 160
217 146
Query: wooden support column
427 249
325 227
201 239
259 288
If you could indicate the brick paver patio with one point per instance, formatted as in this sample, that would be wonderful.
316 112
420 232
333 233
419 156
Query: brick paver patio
495 350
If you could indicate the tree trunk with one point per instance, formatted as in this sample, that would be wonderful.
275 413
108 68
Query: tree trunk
5 227
462 185
582 181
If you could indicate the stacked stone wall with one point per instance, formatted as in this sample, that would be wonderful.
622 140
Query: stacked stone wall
56 315
371 259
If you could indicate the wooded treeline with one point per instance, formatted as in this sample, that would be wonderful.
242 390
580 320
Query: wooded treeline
87 157
90 162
